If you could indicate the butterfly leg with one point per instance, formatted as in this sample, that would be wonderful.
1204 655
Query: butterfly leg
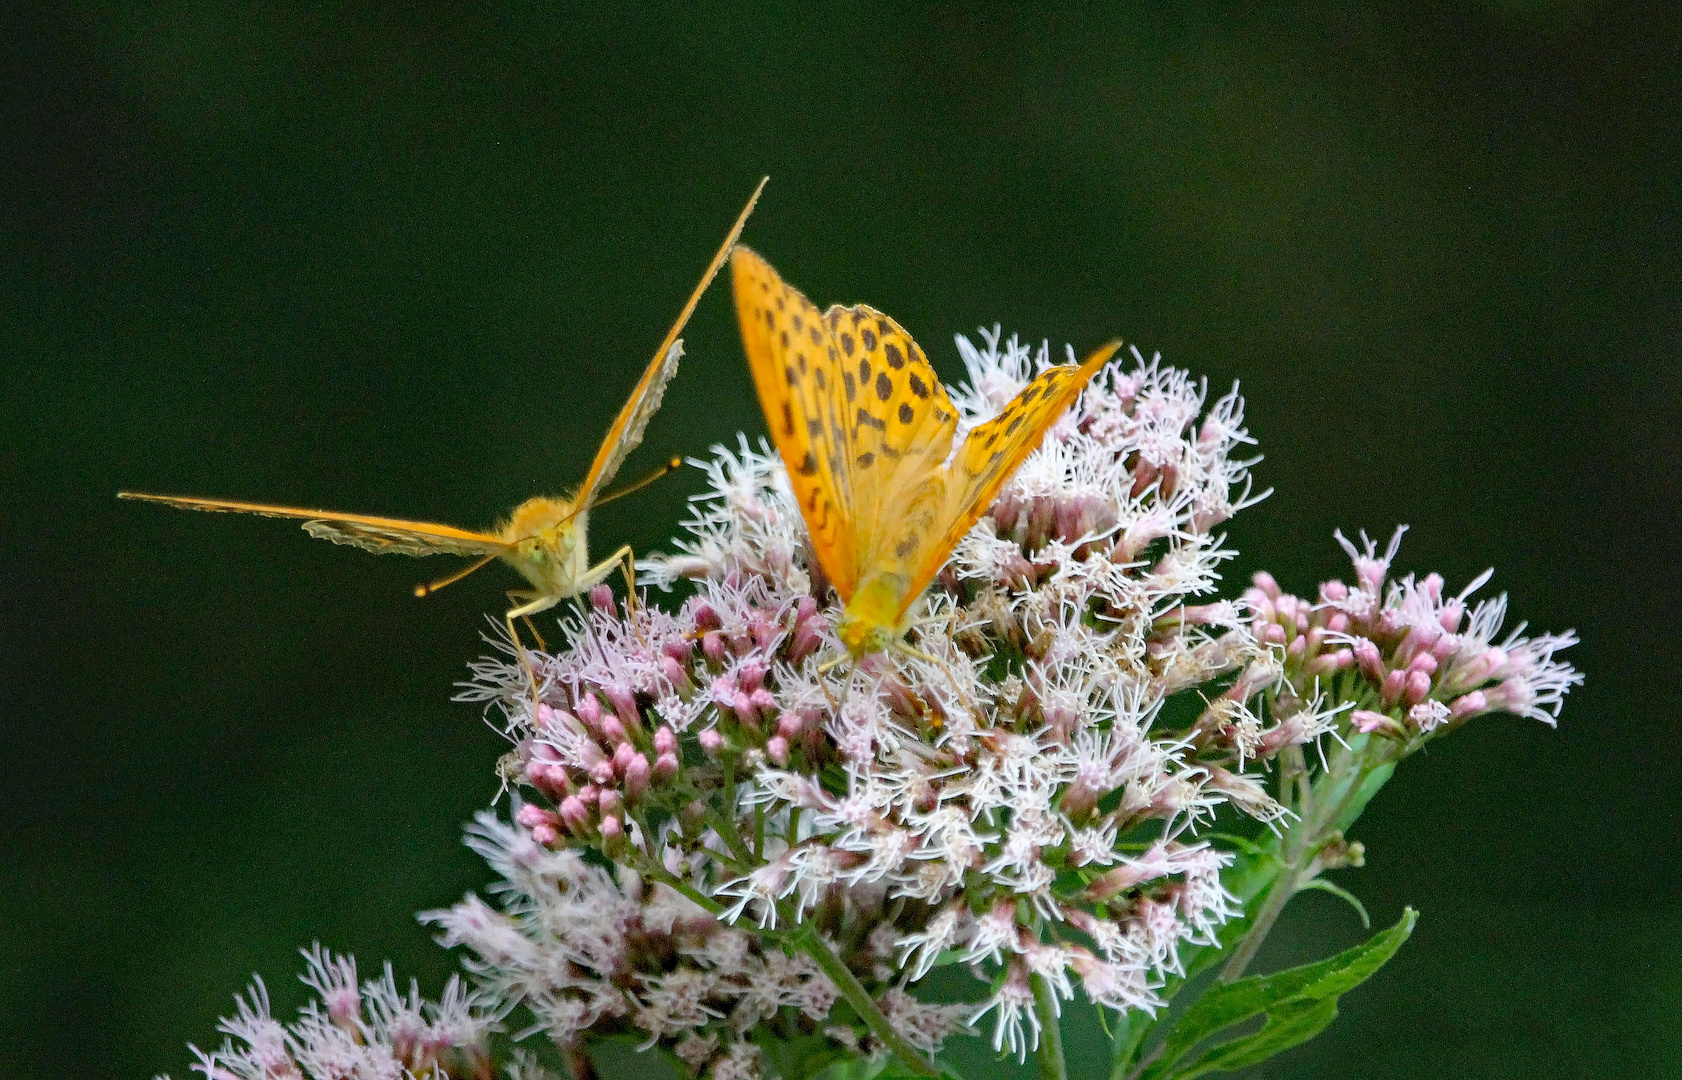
538 602
624 559
521 596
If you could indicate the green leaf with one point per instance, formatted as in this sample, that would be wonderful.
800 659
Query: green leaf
1297 1004
1286 1027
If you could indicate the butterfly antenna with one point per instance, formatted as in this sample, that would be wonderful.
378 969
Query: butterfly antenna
429 589
663 471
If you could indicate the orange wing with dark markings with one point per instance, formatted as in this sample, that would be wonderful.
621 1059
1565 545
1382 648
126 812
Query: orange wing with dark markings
992 451
804 395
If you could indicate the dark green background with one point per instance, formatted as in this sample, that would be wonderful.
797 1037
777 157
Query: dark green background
407 263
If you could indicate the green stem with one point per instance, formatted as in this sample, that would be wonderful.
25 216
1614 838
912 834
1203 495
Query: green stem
1050 1054
1320 808
807 940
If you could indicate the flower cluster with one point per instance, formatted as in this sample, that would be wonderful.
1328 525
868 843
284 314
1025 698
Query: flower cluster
731 841
994 795
369 1032
1410 661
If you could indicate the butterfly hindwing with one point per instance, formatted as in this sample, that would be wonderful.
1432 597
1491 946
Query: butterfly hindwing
992 452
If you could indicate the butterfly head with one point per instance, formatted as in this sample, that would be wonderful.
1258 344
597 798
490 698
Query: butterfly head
548 545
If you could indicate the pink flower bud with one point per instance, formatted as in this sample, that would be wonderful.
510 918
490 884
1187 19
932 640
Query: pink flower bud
706 618
1446 646
1423 662
712 647
545 835
613 732
1433 585
805 608
765 632
624 703
1334 591
601 598
1369 660
743 704
666 768
1469 705
1366 721
1296 649
590 711
545 718
763 702
613 831
611 802
1266 583
1274 634
678 648
531 815
623 755
807 640
1338 623
588 793
789 725
1390 691
1451 614
573 813
674 673
1326 663
665 740
1418 688
776 748
750 675
711 741
602 771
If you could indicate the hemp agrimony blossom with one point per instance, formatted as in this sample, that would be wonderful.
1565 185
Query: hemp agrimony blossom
731 842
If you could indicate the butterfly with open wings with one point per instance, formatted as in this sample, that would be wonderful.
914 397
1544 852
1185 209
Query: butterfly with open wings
866 430
545 537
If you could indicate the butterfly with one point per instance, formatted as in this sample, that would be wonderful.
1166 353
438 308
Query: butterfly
544 537
866 430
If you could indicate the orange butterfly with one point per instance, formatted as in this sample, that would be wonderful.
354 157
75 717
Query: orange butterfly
866 429
544 538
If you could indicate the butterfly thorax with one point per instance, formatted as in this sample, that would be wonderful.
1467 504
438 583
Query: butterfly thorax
548 545
870 622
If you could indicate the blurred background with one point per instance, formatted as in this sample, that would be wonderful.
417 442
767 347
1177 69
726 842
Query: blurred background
403 260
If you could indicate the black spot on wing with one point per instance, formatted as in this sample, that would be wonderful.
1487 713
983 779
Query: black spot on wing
905 412
866 460
808 465
885 385
896 359
788 420
847 343
872 421
850 384
919 387
869 337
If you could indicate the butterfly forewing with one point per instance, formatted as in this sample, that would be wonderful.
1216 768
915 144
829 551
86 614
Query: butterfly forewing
376 534
796 371
626 433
